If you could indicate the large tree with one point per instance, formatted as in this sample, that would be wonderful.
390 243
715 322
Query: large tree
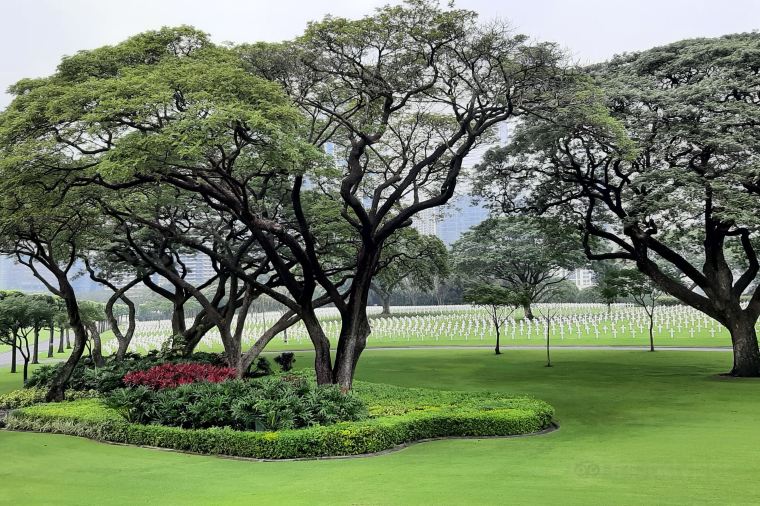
400 97
45 230
655 155
527 255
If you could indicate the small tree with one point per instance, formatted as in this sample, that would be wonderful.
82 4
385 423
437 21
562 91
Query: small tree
498 301
19 315
548 314
640 288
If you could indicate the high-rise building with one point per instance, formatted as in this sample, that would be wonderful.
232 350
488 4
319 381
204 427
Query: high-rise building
462 212
583 278
199 268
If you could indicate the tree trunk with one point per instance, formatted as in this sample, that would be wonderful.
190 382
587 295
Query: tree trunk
60 340
26 370
528 311
386 303
354 323
746 354
193 336
14 351
233 356
651 333
36 351
51 341
68 341
498 336
322 359
548 346
353 339
97 348
58 386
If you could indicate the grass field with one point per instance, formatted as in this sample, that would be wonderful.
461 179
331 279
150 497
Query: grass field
636 428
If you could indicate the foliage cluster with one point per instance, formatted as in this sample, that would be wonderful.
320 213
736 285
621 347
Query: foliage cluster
272 403
109 377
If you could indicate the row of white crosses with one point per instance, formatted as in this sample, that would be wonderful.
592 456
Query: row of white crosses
461 322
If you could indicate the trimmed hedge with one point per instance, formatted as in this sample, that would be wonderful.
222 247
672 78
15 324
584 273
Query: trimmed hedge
401 416
30 396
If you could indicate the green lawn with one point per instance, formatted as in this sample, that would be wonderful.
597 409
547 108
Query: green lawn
44 336
636 428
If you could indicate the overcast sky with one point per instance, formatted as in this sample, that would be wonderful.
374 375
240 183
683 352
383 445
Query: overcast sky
35 34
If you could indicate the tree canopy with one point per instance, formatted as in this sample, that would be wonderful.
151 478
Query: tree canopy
654 155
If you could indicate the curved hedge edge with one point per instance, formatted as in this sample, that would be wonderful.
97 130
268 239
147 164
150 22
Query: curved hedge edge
553 427
365 438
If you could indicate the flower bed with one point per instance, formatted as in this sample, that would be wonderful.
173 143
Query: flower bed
398 416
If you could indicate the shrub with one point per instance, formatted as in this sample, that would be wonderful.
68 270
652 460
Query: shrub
286 360
263 368
173 375
272 403
481 414
22 398
30 396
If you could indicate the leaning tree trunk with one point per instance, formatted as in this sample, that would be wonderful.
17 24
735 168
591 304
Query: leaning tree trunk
528 311
61 380
746 353
193 336
97 347
353 340
36 351
322 359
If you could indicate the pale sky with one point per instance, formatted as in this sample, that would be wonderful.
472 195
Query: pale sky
35 34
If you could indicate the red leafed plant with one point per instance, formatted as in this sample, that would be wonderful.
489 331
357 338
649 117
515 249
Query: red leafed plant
173 375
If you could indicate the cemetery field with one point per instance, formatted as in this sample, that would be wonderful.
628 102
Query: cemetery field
570 325
636 428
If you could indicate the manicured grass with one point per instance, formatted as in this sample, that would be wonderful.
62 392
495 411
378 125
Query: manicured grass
10 381
636 428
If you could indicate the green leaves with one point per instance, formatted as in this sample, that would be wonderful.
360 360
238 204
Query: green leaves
523 254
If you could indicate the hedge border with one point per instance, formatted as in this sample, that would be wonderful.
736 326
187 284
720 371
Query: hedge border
553 427
89 418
